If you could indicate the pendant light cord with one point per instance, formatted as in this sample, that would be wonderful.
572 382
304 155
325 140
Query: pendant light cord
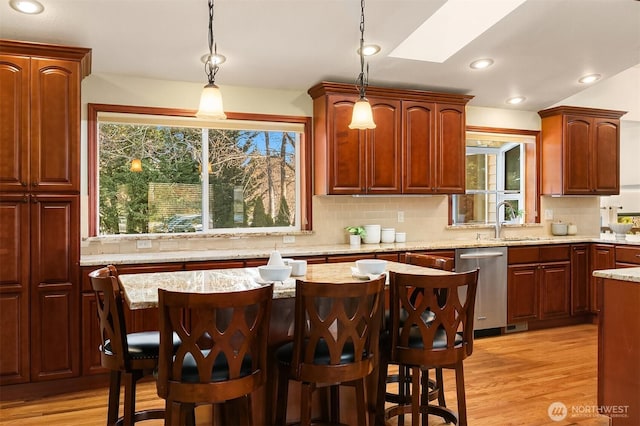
210 66
363 79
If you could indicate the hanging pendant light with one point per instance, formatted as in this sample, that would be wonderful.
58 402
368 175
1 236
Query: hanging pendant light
362 117
136 165
211 98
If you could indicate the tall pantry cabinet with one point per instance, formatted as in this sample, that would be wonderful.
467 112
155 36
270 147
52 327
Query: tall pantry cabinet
40 210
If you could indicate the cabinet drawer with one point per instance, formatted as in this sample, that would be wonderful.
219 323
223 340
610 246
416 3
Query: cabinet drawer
628 255
554 253
523 255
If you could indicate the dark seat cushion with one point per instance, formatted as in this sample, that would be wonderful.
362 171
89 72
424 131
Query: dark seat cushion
143 345
220 368
439 341
321 357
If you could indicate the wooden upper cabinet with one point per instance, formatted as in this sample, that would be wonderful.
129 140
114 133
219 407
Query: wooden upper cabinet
14 120
580 151
382 148
450 149
40 119
417 146
419 150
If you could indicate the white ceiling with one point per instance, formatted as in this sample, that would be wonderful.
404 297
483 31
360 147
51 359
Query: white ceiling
540 49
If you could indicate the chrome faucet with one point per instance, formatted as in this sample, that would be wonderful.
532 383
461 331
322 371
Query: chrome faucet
498 226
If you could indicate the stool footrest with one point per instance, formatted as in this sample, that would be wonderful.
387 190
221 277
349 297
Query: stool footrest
446 414
140 416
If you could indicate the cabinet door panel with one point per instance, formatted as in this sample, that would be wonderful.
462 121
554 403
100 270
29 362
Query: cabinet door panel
606 158
14 289
419 132
383 148
346 149
14 131
555 285
450 149
55 251
577 156
54 336
579 279
602 256
522 293
55 134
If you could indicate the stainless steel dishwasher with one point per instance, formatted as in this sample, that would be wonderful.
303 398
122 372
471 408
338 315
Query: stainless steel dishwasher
491 296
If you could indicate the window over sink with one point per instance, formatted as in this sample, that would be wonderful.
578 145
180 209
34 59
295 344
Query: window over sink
500 166
157 170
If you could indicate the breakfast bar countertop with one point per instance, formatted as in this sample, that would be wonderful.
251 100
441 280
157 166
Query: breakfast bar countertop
141 290
622 274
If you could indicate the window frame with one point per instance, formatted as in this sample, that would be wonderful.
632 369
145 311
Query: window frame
304 155
531 174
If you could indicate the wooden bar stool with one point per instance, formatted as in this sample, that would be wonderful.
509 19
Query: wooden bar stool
129 356
403 378
443 342
336 329
222 355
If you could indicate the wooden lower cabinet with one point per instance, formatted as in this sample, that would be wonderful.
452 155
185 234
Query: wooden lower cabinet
522 293
580 279
39 287
555 290
538 283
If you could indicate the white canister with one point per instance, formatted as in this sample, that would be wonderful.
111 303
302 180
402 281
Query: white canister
298 268
401 237
372 234
387 235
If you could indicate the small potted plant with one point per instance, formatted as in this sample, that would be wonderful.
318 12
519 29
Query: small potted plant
355 234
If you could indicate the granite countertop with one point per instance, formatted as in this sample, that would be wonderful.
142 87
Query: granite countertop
336 249
141 290
623 274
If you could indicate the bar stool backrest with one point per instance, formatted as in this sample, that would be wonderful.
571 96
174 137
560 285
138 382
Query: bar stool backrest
340 321
445 340
222 353
110 307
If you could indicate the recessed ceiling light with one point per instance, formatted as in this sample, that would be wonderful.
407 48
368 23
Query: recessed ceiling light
516 100
31 7
217 58
589 78
480 64
369 49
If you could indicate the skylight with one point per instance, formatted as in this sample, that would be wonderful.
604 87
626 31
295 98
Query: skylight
452 27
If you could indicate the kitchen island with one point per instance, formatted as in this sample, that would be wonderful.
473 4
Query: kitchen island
141 292
619 345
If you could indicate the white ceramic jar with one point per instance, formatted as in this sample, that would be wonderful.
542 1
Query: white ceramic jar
372 234
387 235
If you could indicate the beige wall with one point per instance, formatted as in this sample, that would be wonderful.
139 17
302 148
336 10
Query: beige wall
426 217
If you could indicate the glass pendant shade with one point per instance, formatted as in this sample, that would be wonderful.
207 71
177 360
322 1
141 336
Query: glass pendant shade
211 103
136 165
362 117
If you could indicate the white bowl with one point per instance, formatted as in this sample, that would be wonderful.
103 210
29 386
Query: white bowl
274 273
371 266
620 228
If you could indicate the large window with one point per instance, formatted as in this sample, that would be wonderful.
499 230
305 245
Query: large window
161 171
499 168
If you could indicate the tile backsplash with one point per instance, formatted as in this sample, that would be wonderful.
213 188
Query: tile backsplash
424 218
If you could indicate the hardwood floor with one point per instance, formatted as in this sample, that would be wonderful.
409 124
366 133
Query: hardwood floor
510 380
